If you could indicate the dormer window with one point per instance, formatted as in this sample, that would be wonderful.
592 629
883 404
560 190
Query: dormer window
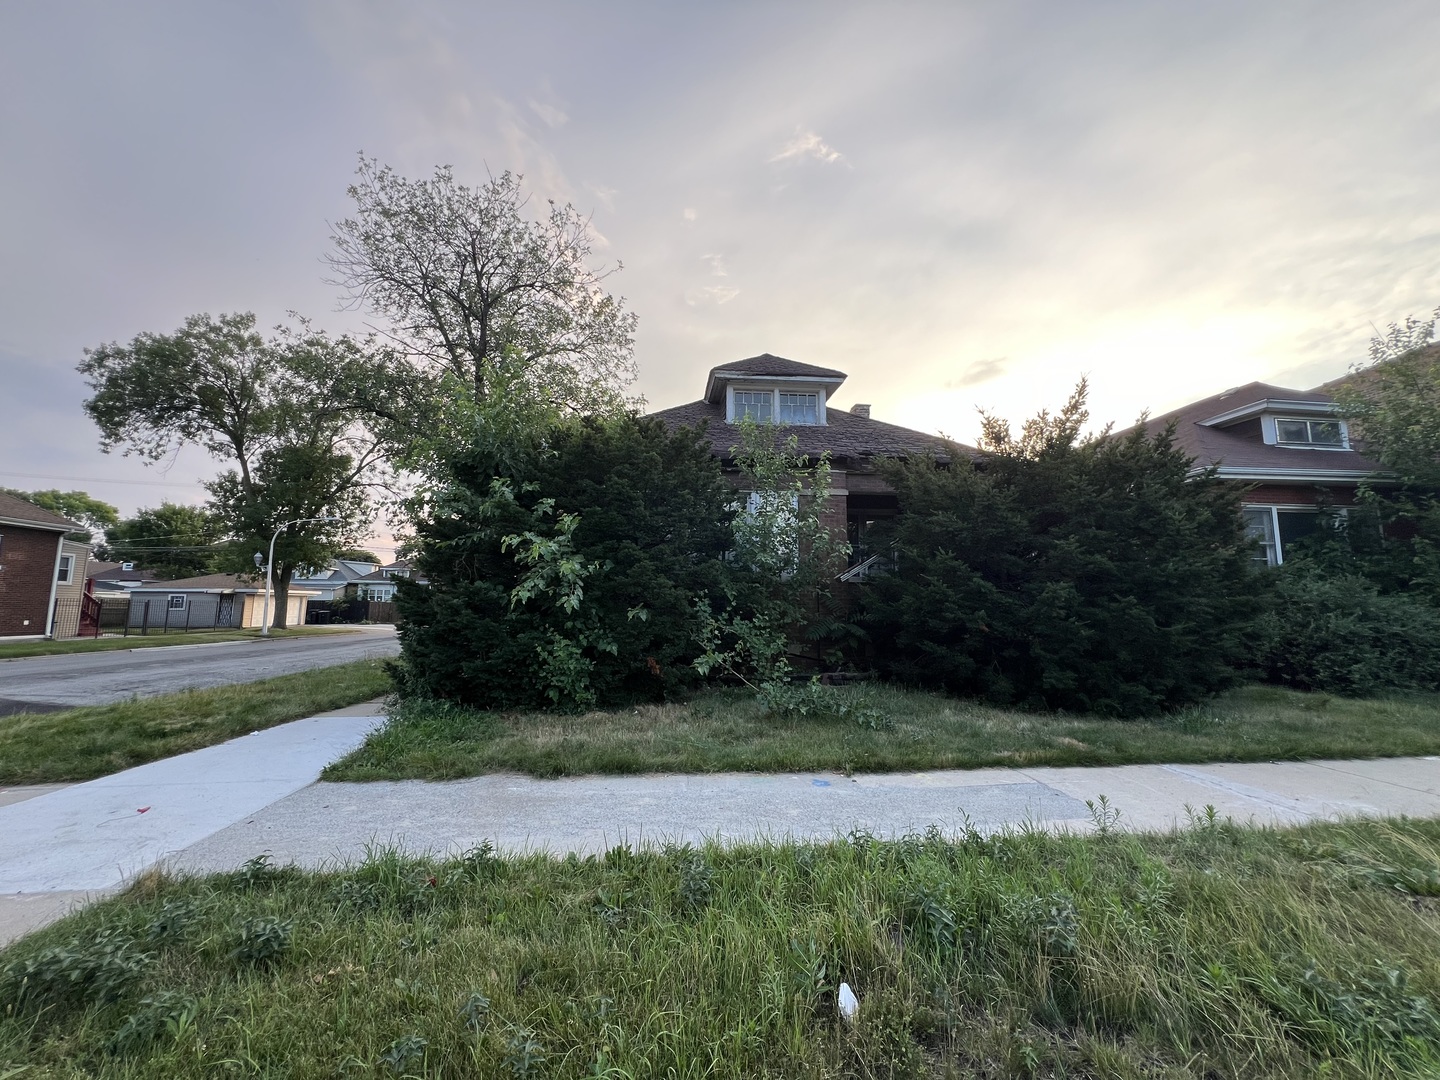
758 405
1325 434
799 408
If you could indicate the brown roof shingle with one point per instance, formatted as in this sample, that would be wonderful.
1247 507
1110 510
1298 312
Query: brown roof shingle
27 513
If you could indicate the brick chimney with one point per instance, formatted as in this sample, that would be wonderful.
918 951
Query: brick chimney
861 411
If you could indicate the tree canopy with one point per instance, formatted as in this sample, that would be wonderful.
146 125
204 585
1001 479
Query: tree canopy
174 540
488 303
284 413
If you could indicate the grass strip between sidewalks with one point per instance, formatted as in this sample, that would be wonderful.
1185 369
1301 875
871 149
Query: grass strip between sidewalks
1216 952
15 650
95 740
889 730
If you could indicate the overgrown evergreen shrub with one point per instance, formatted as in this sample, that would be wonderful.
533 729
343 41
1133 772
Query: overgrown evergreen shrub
1088 575
564 571
1340 633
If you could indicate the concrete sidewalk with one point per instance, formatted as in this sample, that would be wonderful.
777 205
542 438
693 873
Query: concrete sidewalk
69 844
215 808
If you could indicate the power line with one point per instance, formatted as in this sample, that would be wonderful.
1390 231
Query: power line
101 479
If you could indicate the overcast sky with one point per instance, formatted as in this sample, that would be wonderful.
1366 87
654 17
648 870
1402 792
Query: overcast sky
959 204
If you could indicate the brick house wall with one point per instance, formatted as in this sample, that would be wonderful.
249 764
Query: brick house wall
27 572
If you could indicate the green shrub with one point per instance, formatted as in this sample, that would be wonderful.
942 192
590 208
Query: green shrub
1341 634
1091 575
94 970
564 573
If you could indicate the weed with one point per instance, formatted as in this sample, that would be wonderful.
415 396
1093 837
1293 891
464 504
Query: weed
260 873
523 1055
98 969
262 941
476 1011
170 1012
1105 816
404 1052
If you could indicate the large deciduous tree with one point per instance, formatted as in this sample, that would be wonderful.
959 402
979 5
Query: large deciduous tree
282 412
171 539
493 306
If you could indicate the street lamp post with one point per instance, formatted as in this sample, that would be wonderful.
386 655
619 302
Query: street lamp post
270 566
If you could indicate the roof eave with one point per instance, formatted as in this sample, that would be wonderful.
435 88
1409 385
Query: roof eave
1265 405
712 384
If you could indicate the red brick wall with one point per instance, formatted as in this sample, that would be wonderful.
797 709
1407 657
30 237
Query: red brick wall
1300 495
27 568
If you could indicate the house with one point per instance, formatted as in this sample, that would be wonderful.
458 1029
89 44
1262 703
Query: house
212 600
1289 447
773 389
331 582
118 578
71 585
380 586
34 558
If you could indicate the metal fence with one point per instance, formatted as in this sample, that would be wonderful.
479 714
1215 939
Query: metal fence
90 616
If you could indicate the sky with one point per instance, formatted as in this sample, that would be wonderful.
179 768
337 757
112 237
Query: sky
961 205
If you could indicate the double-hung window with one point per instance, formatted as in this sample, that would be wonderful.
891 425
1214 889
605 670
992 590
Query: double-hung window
177 601
756 404
1328 434
67 568
799 408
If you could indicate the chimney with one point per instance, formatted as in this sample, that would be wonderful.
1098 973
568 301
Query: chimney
862 411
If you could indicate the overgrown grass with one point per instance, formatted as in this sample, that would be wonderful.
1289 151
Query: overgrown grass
888 729
94 740
1217 952
16 649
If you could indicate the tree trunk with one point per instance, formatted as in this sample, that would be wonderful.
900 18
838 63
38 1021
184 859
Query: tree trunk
281 587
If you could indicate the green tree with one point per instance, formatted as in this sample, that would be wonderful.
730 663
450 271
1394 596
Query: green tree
1393 404
78 506
564 572
1092 574
489 305
355 554
282 412
174 540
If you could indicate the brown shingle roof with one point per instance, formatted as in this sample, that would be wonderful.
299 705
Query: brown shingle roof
769 364
1240 447
846 436
206 581
27 513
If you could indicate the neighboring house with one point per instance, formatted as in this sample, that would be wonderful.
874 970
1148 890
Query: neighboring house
32 558
118 578
1289 447
773 389
380 586
213 600
71 580
331 582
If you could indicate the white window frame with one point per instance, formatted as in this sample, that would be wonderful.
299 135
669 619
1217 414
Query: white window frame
1274 545
66 574
781 395
1270 427
184 601
733 411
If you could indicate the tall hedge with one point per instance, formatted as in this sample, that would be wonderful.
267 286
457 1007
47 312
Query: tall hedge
1088 575
653 526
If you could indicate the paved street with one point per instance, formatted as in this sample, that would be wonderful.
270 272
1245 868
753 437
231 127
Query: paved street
70 679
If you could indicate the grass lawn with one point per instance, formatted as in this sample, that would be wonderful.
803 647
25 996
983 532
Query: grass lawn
16 649
1218 952
901 730
94 740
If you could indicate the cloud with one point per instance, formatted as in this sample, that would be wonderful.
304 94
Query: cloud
604 195
977 373
808 144
689 213
711 294
717 264
549 113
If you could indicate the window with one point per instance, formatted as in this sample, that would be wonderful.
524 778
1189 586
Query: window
756 404
1260 527
127 566
177 601
799 409
1329 434
67 567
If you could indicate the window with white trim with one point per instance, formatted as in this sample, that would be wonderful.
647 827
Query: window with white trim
799 408
1326 434
177 601
756 404
67 568
1275 528
1260 527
